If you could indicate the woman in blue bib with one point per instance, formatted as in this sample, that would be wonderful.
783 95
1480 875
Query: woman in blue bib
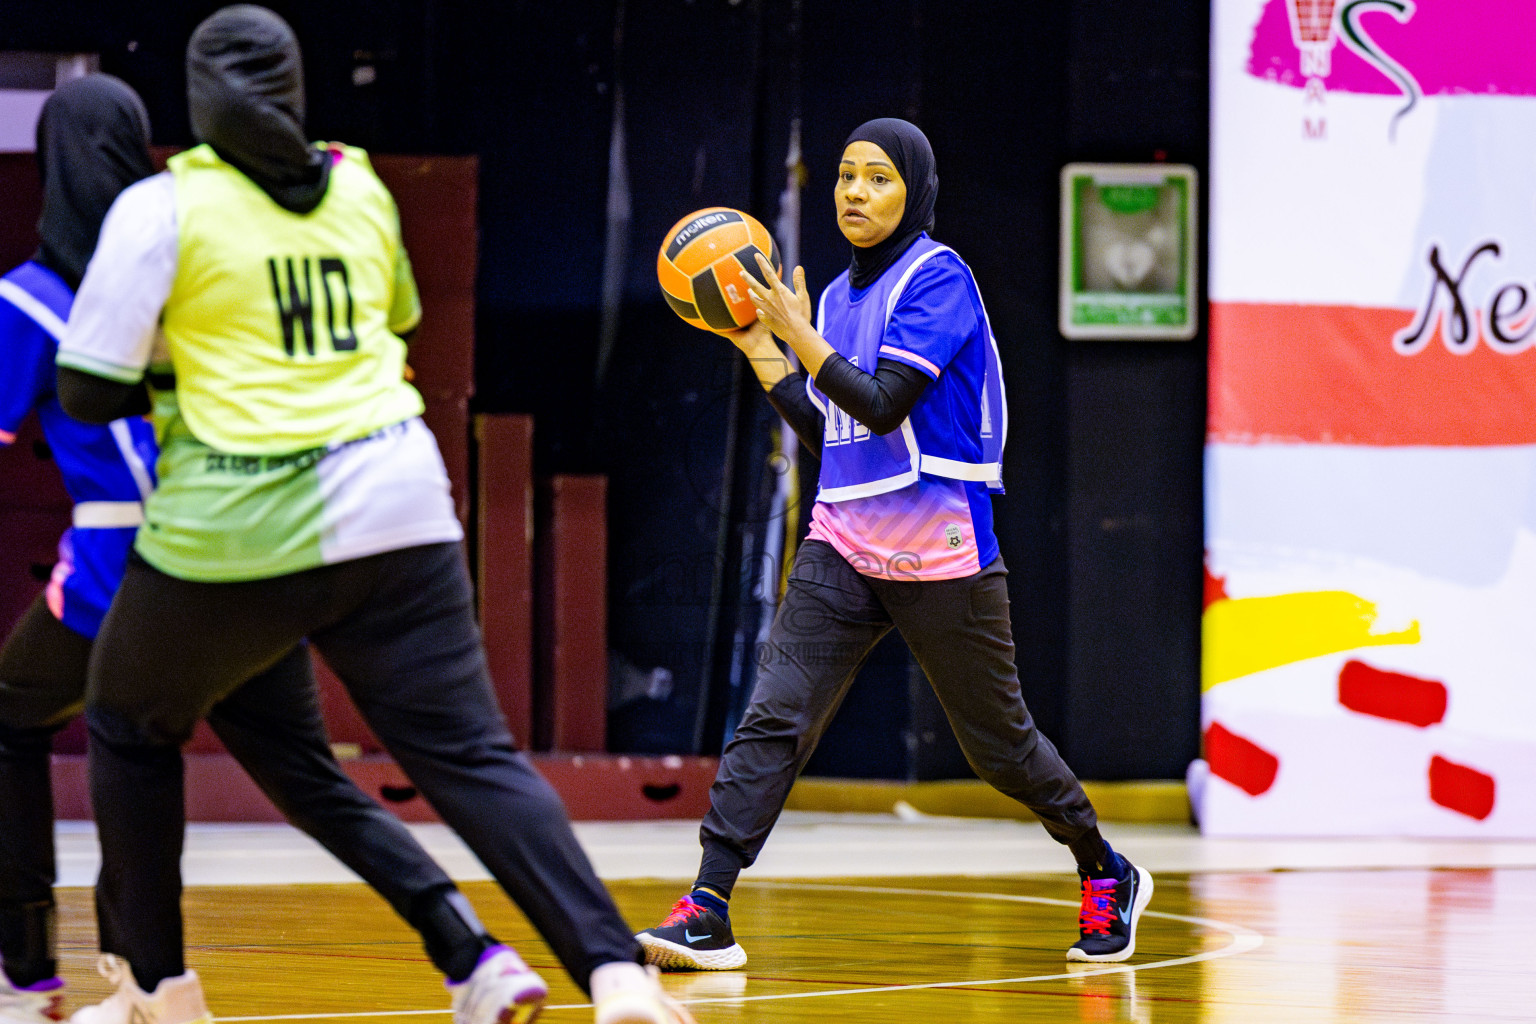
902 400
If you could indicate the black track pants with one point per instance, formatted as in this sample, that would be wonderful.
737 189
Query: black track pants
831 618
271 724
398 629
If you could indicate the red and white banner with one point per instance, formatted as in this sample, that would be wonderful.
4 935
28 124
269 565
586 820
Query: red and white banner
1370 622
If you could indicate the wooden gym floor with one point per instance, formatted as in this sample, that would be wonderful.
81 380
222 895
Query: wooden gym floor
1327 931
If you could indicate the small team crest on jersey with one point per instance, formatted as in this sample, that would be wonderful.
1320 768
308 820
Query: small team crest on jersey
952 534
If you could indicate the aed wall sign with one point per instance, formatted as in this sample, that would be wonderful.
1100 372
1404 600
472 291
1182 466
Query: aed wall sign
1128 251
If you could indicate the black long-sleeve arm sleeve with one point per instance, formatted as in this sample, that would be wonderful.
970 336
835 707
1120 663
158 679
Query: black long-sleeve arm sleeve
94 399
879 400
790 401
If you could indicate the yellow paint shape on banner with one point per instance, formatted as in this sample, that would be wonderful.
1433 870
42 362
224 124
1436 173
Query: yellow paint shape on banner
1251 634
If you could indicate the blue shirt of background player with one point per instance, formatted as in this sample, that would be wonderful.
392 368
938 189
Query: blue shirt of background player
113 463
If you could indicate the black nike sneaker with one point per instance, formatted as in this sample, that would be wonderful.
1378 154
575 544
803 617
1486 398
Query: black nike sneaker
1107 919
692 938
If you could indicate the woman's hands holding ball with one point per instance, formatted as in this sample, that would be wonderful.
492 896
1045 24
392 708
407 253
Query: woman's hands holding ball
785 312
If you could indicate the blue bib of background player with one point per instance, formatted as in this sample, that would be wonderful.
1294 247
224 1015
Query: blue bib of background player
108 469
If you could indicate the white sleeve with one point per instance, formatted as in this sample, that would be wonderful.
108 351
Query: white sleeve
116 314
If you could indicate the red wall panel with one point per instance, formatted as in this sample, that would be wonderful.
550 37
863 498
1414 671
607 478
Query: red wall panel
571 691
504 550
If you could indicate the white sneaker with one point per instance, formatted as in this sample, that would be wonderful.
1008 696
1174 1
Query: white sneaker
176 1000
37 1004
502 990
625 993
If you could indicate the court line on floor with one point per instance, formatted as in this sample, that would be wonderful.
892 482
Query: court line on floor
1244 940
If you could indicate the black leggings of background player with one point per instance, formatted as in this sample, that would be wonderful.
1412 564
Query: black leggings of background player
272 725
399 629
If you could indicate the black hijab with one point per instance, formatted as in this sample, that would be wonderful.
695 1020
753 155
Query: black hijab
245 92
92 142
908 149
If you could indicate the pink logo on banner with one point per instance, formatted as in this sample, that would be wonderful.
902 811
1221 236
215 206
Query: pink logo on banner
1359 46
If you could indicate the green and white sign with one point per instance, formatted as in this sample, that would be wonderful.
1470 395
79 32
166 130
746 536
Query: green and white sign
1128 251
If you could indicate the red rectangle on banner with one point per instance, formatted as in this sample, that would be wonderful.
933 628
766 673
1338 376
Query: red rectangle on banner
1329 375
1461 789
1240 761
1393 695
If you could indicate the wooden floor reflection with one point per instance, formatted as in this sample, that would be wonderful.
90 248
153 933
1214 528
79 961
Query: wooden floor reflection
1436 945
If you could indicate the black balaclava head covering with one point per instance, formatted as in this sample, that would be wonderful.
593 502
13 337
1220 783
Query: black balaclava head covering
245 92
92 142
908 149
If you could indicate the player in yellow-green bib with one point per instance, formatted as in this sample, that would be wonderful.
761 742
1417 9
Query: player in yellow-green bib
282 339
306 311
93 141
260 286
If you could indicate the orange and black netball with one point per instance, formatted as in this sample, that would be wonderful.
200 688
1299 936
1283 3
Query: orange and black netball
702 262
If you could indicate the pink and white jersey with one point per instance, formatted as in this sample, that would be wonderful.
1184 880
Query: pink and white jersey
935 529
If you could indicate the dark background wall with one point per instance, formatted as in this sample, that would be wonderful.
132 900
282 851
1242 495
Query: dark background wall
1101 526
